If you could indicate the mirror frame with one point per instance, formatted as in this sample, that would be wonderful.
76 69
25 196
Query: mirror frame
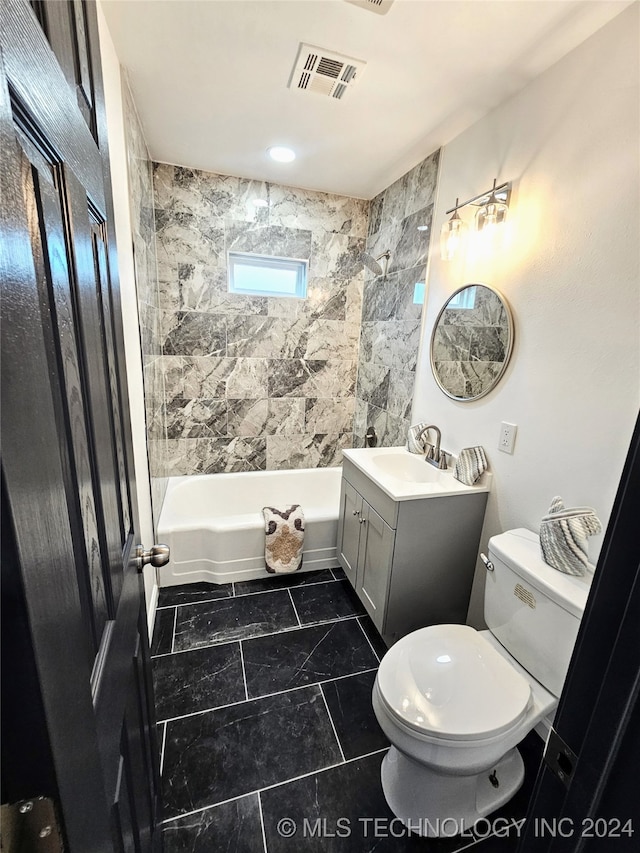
508 351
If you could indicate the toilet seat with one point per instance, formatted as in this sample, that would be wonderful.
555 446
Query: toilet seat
448 682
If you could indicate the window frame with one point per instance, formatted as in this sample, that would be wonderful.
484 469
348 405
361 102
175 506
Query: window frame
259 261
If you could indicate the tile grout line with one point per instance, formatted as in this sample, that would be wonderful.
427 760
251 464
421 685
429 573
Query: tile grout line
293 604
164 741
244 674
326 705
366 636
173 636
275 785
264 837
267 695
271 634
246 594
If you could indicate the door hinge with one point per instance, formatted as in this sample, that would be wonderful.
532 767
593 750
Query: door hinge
560 758
30 826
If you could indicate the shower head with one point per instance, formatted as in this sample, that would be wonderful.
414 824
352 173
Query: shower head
372 264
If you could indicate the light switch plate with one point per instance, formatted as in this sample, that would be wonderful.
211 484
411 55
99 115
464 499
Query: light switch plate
507 437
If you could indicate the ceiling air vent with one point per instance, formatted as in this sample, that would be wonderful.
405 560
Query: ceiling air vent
380 7
324 72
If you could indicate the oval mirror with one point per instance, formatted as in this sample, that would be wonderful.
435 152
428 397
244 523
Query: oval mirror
471 342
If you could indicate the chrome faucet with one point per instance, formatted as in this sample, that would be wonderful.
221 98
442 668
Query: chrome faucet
434 456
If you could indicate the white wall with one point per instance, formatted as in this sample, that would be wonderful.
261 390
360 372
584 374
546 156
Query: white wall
122 221
569 142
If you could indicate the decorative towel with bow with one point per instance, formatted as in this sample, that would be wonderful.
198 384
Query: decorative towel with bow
470 465
563 536
284 538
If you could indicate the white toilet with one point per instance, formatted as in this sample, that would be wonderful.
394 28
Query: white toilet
454 702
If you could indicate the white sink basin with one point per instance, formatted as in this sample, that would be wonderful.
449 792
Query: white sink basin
406 466
406 476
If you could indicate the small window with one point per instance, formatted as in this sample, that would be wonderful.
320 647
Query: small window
264 275
465 298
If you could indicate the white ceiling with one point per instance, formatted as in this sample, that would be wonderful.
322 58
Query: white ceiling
210 79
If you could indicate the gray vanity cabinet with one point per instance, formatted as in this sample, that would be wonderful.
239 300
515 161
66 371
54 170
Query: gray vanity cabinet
410 562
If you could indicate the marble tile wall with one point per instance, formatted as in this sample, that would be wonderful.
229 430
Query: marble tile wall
146 272
255 382
390 328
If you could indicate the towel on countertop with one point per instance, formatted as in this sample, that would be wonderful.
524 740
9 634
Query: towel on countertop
284 538
563 536
415 444
471 465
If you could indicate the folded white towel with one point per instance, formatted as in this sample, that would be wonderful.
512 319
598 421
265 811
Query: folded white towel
284 538
470 465
563 536
415 444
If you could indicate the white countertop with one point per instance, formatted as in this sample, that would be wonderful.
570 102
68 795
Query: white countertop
407 476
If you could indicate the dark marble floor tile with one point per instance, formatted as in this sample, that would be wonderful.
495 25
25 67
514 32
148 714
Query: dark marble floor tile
233 751
233 619
349 703
338 573
282 581
197 680
163 632
305 656
188 593
233 826
350 793
373 634
343 810
325 601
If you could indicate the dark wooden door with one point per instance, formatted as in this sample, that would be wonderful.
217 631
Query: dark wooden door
78 714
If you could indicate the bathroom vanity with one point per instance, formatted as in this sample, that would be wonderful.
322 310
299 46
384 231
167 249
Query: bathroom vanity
408 537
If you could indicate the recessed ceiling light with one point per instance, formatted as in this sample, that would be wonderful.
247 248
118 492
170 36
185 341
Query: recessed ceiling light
281 154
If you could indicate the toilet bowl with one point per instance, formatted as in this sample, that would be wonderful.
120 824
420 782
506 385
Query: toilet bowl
455 702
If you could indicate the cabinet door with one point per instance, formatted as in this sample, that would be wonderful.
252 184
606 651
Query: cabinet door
349 531
376 553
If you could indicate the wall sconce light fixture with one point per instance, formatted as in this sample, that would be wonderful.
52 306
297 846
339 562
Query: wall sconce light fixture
492 205
452 235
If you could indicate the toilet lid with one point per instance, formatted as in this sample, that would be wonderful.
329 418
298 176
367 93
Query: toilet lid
449 681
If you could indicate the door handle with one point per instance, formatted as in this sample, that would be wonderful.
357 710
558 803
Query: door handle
157 556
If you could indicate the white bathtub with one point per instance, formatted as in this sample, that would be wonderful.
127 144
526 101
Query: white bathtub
214 525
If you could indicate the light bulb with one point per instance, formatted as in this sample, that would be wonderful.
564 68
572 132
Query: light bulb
452 236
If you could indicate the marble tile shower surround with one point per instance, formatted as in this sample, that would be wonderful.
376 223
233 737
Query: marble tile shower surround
390 327
146 273
255 382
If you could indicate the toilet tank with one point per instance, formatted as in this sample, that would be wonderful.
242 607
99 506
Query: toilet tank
532 609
